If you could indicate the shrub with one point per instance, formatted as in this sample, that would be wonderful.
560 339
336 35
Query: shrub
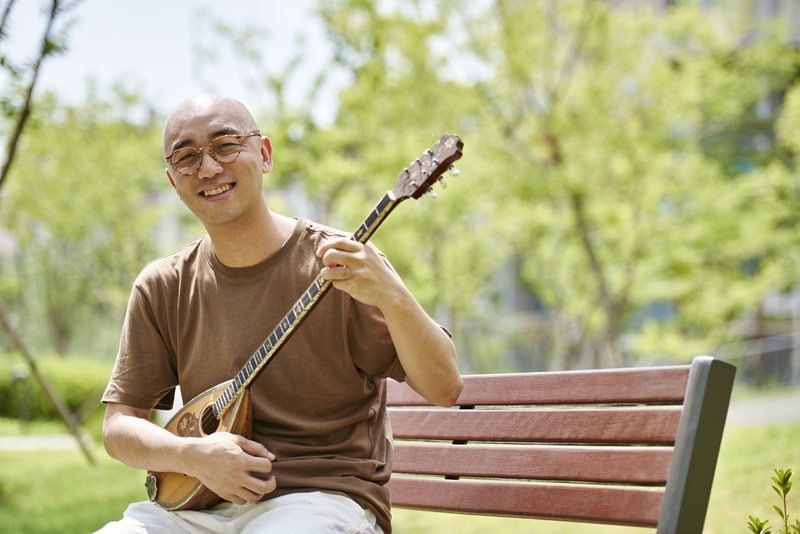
783 485
78 381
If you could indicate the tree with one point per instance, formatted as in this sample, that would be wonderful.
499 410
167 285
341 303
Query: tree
602 117
16 105
82 209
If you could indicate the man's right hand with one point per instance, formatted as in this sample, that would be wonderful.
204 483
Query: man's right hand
225 464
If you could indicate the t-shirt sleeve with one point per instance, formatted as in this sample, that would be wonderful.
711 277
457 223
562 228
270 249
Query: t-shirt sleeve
144 374
371 346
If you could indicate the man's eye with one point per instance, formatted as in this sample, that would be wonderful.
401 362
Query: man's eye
184 158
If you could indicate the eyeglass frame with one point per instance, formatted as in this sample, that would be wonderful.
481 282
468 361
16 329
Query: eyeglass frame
210 152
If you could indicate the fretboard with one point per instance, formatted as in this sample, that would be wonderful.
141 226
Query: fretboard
292 320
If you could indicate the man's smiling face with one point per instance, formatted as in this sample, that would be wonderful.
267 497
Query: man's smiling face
217 193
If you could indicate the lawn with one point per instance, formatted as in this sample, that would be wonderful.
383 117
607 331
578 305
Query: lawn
60 493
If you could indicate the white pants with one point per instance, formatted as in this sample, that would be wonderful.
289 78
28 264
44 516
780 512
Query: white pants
296 513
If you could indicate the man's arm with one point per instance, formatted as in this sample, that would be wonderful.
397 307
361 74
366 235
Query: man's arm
426 352
221 461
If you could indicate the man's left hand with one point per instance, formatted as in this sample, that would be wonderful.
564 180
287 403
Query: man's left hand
358 270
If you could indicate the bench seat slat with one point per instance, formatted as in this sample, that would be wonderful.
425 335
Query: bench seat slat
608 465
648 426
647 385
607 504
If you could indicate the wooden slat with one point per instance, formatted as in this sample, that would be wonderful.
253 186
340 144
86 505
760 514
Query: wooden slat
603 504
646 385
606 465
647 426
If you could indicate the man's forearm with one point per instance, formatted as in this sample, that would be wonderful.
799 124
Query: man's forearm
140 444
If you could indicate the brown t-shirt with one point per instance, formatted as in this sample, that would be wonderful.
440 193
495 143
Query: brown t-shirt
319 406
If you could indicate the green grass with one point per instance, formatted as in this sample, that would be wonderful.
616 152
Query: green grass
60 493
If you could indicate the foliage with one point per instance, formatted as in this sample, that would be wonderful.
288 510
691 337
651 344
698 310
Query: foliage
603 117
783 485
83 216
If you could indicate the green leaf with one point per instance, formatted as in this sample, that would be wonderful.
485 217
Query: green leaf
756 526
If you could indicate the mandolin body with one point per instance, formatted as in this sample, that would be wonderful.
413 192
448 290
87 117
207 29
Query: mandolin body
176 491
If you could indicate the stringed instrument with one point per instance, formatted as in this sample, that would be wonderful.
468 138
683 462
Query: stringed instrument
226 407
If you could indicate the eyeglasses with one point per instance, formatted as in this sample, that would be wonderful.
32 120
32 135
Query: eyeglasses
224 149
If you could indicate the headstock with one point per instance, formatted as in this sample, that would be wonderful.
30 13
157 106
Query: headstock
421 173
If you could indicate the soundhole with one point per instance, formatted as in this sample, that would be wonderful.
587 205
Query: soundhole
208 422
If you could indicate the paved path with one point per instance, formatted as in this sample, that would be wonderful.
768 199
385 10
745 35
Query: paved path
768 408
38 443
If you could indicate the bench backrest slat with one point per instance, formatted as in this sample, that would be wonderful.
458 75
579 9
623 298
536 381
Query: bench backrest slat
656 426
600 504
651 385
590 446
605 465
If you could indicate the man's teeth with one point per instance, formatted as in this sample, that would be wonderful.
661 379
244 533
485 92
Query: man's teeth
217 191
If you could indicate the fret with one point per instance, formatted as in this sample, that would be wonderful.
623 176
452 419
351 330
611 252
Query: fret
305 300
249 366
273 339
370 221
262 352
291 316
374 219
385 202
285 325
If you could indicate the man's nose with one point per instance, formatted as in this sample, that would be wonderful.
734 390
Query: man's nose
209 167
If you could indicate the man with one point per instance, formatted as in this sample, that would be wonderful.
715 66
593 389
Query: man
320 450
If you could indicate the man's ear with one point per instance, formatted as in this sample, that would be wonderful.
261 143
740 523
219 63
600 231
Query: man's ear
172 182
266 155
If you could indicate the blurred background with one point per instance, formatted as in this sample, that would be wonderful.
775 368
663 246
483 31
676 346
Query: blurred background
628 194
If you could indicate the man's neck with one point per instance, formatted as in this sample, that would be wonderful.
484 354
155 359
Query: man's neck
248 242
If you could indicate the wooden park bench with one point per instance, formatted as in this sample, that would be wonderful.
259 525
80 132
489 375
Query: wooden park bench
633 447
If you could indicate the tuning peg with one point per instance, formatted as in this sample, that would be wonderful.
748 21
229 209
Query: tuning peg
453 171
444 184
432 194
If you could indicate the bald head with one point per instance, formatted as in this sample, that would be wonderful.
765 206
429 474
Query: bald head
205 115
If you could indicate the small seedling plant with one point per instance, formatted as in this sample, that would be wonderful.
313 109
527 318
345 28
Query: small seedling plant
782 486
